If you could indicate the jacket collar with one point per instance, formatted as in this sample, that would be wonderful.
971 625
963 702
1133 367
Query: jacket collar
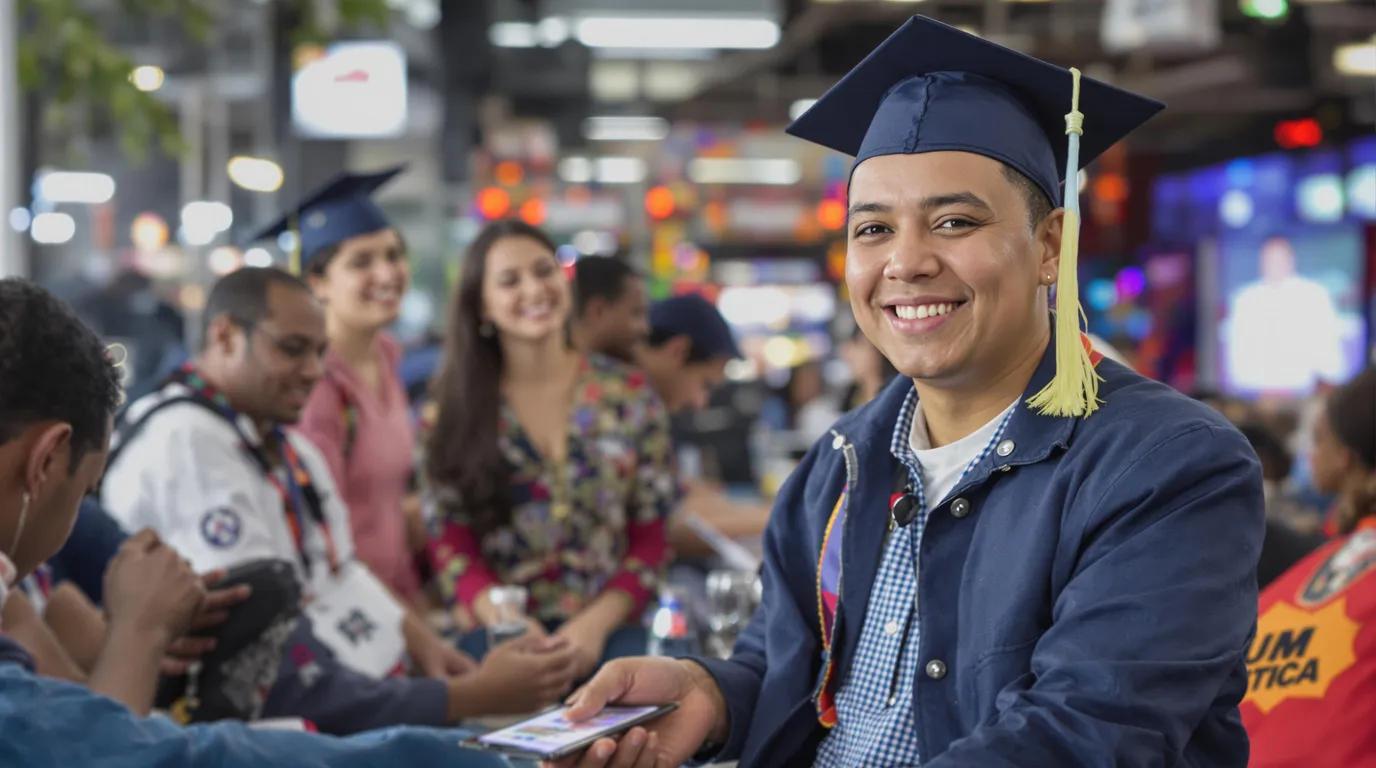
1031 435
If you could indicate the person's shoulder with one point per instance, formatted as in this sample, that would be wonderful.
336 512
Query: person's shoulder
1149 413
169 415
390 349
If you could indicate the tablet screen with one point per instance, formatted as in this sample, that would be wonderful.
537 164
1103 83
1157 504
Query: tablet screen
550 732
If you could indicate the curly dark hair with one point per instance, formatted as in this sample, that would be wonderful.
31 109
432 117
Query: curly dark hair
52 367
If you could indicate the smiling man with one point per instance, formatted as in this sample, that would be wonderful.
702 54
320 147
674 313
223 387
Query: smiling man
1018 554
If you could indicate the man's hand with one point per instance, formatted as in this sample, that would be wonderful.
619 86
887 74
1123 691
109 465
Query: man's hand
517 677
151 588
438 659
214 611
671 740
588 643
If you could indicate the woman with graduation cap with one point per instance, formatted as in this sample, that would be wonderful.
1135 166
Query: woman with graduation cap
356 263
1018 553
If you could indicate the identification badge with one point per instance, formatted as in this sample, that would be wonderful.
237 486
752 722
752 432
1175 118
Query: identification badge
358 619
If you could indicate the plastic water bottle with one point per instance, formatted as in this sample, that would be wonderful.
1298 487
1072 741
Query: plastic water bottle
671 629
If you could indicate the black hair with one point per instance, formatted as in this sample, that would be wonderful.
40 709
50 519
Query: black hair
697 353
52 367
1351 413
1038 204
243 295
1275 459
600 277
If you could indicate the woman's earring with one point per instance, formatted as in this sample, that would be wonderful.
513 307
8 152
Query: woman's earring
486 330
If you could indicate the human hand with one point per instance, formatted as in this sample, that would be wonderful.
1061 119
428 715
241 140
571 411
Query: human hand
151 588
213 612
438 659
588 642
517 677
670 740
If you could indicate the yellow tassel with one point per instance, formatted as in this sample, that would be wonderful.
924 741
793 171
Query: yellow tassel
1074 390
294 258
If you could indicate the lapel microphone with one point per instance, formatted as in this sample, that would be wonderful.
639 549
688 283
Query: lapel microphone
904 507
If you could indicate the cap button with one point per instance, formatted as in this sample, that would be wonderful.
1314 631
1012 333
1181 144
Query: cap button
837 442
1005 448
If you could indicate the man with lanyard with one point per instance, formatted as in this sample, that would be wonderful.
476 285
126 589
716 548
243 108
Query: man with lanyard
1018 554
206 462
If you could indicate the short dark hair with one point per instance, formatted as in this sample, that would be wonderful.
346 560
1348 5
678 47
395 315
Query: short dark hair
599 277
52 367
1038 204
243 295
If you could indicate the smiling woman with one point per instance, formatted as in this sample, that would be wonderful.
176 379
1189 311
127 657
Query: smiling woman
550 468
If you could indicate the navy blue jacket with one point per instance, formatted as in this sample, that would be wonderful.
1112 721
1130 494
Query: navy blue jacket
1091 608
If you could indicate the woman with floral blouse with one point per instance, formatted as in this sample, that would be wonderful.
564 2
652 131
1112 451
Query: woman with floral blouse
550 469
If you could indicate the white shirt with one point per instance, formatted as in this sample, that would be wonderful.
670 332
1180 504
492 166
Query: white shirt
942 467
187 476
1283 335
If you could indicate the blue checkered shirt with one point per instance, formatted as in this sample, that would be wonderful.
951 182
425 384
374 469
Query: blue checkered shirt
875 724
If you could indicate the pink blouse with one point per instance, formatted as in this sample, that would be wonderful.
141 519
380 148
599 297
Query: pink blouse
368 440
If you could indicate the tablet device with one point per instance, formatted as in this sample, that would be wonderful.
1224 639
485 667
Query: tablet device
549 736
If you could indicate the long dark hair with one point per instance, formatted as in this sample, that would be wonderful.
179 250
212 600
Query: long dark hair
462 452
1351 414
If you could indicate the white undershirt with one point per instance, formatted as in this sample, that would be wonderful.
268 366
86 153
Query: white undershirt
942 467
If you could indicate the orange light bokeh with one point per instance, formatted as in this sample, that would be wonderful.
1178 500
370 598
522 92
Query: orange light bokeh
831 214
659 202
508 173
493 202
533 211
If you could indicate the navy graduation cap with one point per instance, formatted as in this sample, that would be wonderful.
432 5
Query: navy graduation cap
930 87
341 209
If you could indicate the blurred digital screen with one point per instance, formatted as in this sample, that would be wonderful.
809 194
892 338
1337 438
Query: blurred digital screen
1290 309
350 90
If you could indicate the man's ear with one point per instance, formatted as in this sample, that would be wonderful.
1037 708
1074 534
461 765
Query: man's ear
679 347
223 335
1048 237
49 457
317 283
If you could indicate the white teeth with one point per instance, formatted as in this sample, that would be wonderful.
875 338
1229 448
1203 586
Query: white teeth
922 312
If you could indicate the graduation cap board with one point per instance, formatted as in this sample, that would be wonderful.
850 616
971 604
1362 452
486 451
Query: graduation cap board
341 209
930 88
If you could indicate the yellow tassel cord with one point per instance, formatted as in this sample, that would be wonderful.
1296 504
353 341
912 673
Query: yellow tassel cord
294 258
1074 390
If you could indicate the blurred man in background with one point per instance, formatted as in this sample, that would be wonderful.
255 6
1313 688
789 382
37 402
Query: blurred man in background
609 307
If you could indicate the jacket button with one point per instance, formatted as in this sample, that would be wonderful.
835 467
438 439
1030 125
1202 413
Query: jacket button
1005 448
837 442
960 508
936 669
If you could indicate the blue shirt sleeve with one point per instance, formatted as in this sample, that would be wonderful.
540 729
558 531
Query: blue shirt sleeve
312 684
95 539
48 722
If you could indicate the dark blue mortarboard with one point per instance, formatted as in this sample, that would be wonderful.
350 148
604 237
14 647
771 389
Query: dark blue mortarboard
931 87
341 209
693 316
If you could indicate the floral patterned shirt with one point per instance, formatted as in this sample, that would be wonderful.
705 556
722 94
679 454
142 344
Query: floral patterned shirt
594 523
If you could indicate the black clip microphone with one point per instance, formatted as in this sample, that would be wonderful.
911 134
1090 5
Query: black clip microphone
904 507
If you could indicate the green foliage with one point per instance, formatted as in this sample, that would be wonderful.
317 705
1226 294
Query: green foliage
82 77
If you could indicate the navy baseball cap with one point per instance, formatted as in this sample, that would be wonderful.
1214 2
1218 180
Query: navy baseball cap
695 317
337 211
931 87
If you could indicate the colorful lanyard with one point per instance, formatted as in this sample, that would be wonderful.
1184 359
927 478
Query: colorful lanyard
299 494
